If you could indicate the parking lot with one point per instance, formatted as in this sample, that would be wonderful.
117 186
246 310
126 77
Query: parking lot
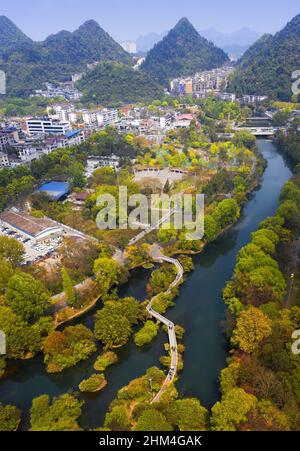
34 250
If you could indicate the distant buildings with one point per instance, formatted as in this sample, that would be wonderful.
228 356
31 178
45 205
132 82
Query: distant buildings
63 112
100 118
47 126
213 82
77 77
28 140
8 137
202 83
253 99
66 90
91 118
184 120
227 96
94 163
129 47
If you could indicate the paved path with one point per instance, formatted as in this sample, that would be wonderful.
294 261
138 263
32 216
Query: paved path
158 256
150 229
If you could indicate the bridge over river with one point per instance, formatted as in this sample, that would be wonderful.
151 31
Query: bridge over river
260 131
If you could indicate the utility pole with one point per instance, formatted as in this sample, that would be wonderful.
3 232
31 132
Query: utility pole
151 387
292 279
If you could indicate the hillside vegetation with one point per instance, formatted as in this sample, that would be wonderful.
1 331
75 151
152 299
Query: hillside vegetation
182 52
113 83
29 64
267 67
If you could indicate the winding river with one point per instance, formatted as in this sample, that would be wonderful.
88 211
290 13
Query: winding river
199 308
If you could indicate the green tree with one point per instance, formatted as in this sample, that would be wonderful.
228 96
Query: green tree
152 420
65 349
6 273
27 297
21 339
11 250
146 334
117 420
129 308
187 415
252 327
59 415
267 233
245 139
94 384
112 329
290 192
291 214
227 212
229 377
10 418
261 285
228 414
264 243
105 360
211 229
68 288
107 272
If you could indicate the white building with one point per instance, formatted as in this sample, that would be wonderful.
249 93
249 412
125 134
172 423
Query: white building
107 117
29 154
227 96
62 112
8 138
77 77
94 163
253 99
47 126
4 162
89 117
73 117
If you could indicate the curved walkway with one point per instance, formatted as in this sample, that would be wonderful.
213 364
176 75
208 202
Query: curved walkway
158 256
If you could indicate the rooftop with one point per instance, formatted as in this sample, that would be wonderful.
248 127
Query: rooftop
55 190
26 223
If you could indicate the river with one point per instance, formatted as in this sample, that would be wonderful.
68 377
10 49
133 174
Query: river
199 309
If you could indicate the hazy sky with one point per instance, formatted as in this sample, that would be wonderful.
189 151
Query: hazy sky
127 19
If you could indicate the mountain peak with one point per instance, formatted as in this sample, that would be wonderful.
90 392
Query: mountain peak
90 25
184 24
182 52
10 34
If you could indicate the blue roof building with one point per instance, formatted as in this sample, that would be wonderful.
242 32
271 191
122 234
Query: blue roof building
55 190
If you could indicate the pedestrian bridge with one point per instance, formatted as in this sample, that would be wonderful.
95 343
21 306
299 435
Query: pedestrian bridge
259 131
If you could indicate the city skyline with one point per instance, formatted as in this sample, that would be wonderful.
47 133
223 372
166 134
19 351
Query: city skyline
126 21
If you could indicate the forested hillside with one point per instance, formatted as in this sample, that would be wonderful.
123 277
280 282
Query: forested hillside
267 67
29 64
113 83
182 52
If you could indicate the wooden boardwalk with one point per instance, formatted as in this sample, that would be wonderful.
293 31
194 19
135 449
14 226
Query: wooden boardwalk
158 256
